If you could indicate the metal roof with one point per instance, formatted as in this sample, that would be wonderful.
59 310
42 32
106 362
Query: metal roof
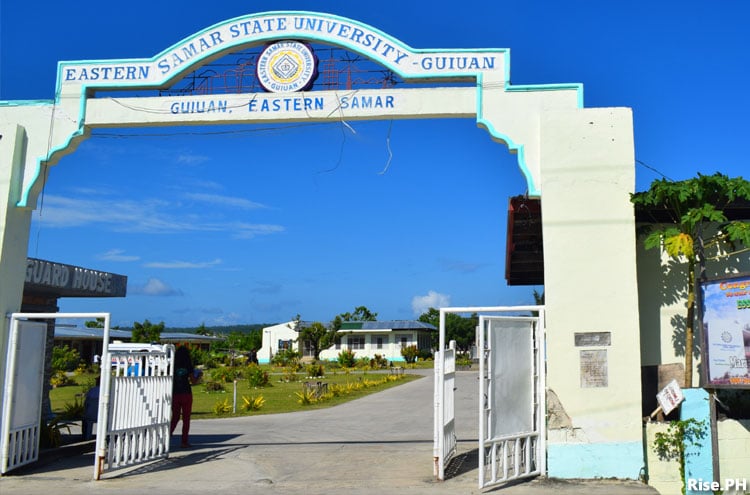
387 325
97 333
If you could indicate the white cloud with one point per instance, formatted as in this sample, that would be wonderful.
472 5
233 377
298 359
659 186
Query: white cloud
450 265
153 216
232 201
117 255
155 287
420 304
191 159
250 230
182 264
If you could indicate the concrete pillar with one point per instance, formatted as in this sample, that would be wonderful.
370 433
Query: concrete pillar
14 230
591 296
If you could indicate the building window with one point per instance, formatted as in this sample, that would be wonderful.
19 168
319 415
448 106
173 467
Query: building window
355 343
338 343
403 340
285 345
307 349
381 341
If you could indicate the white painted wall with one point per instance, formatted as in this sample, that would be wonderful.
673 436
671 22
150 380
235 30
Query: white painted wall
271 337
390 351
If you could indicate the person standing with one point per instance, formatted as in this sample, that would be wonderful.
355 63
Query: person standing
182 393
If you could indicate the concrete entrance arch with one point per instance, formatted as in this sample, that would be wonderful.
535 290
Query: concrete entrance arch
578 160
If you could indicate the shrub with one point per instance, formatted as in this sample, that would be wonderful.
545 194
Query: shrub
214 387
253 403
51 432
463 359
59 379
410 353
225 374
286 357
378 362
290 374
257 377
222 407
363 362
209 362
74 410
425 355
64 358
315 370
306 397
197 356
346 358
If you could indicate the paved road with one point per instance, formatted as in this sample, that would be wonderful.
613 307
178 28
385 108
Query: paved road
379 444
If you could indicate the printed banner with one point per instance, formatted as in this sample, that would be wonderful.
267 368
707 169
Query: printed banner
726 323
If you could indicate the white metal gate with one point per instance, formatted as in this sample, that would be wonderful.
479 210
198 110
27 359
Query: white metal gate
135 407
22 392
511 394
444 439
23 387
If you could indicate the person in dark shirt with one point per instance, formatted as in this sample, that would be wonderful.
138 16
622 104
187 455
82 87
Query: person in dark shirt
182 393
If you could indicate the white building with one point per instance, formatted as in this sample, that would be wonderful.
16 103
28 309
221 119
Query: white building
364 338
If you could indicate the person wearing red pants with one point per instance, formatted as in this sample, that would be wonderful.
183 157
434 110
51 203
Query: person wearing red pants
182 393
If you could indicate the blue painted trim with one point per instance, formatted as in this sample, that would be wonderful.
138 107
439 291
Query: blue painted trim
622 460
698 459
550 87
25 103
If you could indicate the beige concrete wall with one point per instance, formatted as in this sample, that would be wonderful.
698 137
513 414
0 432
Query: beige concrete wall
590 276
14 234
734 449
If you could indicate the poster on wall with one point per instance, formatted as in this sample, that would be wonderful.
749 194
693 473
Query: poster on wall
726 327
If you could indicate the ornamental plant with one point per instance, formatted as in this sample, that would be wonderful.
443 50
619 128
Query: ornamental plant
346 358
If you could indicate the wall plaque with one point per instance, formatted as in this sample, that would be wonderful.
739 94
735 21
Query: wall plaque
594 369
593 339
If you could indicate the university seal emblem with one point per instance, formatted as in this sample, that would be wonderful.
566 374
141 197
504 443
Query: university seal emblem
287 66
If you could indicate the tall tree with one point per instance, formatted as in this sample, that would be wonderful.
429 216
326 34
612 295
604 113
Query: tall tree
361 313
457 327
319 336
147 331
98 323
694 206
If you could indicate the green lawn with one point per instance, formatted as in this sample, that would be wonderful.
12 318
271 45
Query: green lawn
280 396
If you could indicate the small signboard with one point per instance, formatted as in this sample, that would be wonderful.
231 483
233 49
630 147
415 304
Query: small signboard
670 397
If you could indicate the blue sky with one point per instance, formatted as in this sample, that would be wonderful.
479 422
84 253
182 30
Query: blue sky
217 229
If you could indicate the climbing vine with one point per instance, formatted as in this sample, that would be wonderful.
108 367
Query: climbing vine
670 445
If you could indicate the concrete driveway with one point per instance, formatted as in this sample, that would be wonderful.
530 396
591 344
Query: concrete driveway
381 443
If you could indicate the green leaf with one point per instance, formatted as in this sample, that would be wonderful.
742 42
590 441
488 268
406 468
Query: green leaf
680 244
738 232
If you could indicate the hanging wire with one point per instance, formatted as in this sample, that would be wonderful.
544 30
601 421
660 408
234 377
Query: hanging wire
388 147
